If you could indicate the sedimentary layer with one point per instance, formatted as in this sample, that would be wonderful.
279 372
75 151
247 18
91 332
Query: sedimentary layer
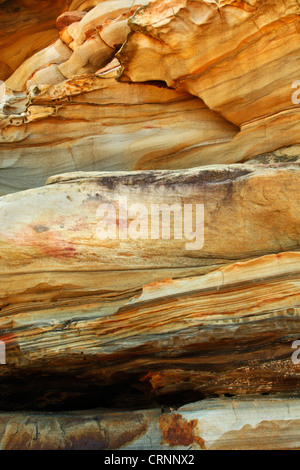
182 106
93 122
220 424
100 312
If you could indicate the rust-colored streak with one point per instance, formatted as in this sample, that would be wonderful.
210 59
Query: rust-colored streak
50 242
177 431
91 33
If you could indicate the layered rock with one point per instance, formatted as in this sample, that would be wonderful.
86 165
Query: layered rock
163 286
240 58
94 122
75 303
247 112
224 424
90 42
248 212
27 28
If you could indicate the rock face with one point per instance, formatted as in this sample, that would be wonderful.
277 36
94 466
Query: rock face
221 105
224 424
26 28
149 224
95 122
244 68
75 292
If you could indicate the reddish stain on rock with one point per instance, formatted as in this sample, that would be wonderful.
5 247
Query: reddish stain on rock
91 33
7 338
177 431
50 242
68 18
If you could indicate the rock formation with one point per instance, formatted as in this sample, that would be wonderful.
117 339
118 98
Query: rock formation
27 27
150 224
170 115
225 424
75 292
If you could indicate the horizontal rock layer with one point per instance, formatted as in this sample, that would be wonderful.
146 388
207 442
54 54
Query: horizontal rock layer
220 424
94 122
76 306
26 28
65 99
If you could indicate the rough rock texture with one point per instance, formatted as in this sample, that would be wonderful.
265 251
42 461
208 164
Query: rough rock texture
222 105
92 39
248 212
222 424
85 305
243 69
94 122
27 26
209 306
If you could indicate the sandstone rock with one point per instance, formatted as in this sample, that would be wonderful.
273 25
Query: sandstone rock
27 28
218 424
95 123
229 124
69 17
76 304
97 36
240 58
249 211
55 54
103 15
89 57
198 302
110 345
283 155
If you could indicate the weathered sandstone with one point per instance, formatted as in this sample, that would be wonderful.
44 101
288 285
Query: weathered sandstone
247 112
220 424
149 224
27 28
93 122
240 58
73 303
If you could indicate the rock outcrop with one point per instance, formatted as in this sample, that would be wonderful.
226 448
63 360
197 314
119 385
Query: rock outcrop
240 58
82 294
149 224
72 83
28 27
93 122
219 424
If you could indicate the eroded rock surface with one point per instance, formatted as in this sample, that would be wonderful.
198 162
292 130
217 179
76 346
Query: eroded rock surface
73 300
228 66
136 321
219 424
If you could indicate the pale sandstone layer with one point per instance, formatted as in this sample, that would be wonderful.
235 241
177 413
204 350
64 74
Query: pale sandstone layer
74 305
219 424
249 211
93 122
